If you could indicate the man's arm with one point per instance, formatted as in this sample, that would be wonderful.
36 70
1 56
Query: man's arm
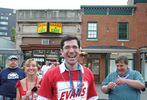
133 83
107 88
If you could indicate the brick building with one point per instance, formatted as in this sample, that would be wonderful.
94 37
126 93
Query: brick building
110 31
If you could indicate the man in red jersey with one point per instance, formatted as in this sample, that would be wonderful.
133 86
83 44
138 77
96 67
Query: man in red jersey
70 80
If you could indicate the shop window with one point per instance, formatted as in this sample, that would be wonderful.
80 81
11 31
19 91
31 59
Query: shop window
38 53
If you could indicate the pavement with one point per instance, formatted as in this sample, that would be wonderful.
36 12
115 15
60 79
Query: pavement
103 96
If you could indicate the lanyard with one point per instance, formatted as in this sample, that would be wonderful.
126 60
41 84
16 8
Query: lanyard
126 75
78 83
27 87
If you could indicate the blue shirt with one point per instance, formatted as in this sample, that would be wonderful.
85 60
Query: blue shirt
124 91
8 80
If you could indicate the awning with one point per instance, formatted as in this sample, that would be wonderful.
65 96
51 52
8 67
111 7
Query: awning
143 49
39 47
108 49
10 51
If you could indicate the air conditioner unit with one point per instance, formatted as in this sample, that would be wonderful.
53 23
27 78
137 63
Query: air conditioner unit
45 42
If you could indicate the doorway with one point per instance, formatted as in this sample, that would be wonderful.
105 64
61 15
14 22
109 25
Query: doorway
95 69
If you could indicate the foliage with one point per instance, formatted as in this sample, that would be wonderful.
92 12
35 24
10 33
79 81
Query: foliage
13 33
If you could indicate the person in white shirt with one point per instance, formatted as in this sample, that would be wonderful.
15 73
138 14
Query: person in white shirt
45 67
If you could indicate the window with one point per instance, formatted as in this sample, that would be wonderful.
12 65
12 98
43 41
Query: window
4 23
4 33
92 30
4 17
45 42
3 28
122 31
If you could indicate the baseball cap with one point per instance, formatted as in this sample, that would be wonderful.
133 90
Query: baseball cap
83 53
12 57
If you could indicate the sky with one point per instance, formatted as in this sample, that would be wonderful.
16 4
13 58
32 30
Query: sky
56 4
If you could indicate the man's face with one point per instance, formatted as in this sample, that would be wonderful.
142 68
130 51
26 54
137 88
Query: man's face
12 63
70 52
122 68
81 59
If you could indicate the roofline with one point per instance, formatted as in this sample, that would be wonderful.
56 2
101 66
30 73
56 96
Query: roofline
108 6
109 50
48 9
67 21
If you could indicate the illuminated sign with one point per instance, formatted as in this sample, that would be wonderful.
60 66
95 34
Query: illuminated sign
55 28
42 27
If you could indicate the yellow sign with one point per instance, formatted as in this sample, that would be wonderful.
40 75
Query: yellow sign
55 28
42 27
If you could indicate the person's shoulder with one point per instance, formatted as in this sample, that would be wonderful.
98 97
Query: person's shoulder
53 70
86 69
112 73
4 70
18 68
23 81
135 72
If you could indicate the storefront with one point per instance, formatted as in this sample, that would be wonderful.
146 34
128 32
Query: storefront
102 59
5 53
7 48
41 53
143 54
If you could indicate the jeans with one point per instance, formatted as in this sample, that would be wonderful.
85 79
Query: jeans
6 98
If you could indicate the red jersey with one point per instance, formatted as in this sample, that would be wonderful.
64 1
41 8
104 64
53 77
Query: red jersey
56 86
23 93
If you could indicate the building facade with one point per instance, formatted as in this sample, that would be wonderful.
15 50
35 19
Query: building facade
7 21
7 47
111 31
45 45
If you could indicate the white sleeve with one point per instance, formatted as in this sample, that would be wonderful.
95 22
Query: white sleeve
93 98
42 98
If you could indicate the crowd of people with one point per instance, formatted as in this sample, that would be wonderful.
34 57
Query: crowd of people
69 80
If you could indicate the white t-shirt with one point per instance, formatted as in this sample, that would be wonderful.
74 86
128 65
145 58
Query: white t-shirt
44 69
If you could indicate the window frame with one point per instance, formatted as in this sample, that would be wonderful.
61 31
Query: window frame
92 30
127 32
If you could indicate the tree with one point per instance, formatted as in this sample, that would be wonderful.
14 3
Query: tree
13 33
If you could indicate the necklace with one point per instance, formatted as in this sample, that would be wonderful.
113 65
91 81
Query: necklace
34 85
126 75
79 81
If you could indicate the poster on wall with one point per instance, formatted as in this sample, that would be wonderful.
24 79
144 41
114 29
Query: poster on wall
42 28
55 28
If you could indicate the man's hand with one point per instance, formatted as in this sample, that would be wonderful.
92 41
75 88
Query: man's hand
120 81
111 85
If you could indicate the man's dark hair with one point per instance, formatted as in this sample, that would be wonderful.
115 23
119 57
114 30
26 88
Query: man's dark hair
68 38
122 59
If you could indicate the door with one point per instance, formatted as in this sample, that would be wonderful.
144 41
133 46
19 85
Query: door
95 69
145 72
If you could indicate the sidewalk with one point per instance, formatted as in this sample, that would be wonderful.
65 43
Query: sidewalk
103 96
